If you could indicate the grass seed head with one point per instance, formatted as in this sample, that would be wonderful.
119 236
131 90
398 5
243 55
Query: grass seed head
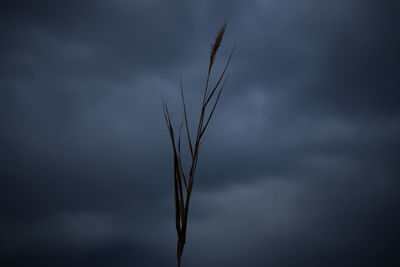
216 44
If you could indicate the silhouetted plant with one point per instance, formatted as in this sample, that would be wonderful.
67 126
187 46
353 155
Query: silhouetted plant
182 186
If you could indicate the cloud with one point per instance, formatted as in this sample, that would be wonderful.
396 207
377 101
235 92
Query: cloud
299 165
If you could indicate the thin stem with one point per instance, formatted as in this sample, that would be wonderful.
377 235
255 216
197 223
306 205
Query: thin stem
182 194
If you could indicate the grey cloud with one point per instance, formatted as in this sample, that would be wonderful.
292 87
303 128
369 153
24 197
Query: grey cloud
299 165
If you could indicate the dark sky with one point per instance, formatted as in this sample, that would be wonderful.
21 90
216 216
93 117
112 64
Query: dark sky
299 166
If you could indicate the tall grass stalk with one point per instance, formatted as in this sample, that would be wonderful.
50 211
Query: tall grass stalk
183 183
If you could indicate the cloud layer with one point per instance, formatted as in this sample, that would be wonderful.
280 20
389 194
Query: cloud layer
298 168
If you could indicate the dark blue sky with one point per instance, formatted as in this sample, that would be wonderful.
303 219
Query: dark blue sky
299 166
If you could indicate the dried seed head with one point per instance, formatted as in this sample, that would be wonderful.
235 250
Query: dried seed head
216 44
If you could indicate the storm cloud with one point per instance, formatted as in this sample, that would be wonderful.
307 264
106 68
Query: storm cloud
299 166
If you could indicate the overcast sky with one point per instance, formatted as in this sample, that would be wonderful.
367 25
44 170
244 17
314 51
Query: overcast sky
299 166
